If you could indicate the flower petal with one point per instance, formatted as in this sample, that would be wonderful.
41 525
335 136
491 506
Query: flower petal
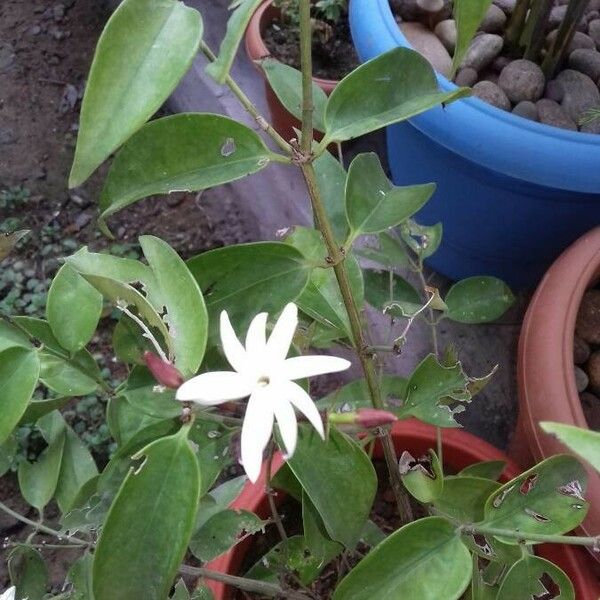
300 367
256 431
281 337
215 387
9 594
303 402
232 347
286 421
256 338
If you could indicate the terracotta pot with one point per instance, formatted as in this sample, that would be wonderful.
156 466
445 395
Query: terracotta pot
281 119
546 377
460 450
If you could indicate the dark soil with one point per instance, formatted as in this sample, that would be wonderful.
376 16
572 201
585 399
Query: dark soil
334 55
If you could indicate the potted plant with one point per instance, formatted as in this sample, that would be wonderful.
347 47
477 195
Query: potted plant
518 172
272 34
546 375
195 337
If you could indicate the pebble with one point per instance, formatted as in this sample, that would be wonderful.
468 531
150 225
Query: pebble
500 62
554 91
35 30
581 379
506 5
430 6
591 409
557 15
483 50
58 12
587 61
466 77
489 75
522 80
580 94
551 113
492 94
593 372
594 31
588 318
494 20
427 43
446 33
581 351
7 136
580 40
527 110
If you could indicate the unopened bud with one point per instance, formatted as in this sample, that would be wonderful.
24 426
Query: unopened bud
373 417
164 372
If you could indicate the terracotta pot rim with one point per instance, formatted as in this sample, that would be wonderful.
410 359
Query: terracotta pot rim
255 44
462 449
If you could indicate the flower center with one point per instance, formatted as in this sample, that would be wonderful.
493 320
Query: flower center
263 381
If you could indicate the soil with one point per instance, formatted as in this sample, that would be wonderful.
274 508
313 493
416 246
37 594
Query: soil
334 55
46 50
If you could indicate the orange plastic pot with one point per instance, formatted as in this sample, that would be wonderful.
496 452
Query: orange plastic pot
257 50
460 450
547 390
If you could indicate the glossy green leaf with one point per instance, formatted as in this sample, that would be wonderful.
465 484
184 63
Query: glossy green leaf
141 393
28 573
11 336
464 497
183 152
395 86
8 241
149 524
80 577
535 577
546 499
489 469
129 342
178 292
143 52
584 442
334 469
390 252
331 179
315 535
481 588
249 278
287 85
423 240
468 15
39 408
423 476
180 592
424 559
41 331
218 499
19 372
73 309
373 203
64 377
236 26
385 288
478 300
202 592
223 531
436 393
8 450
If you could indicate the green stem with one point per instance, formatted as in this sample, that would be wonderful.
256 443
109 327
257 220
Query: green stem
247 104
534 35
306 68
272 506
514 31
573 540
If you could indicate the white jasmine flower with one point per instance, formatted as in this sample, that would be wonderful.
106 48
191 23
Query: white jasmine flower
262 371
9 594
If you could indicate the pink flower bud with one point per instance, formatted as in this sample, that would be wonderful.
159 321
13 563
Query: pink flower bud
373 417
164 372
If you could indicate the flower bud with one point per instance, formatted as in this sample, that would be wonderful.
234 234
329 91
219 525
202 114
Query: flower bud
373 417
164 372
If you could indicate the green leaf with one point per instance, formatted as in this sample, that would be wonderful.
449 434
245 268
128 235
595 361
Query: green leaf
331 180
393 87
333 469
535 577
236 26
73 309
19 372
422 477
11 336
584 442
546 499
8 450
489 469
140 392
179 294
287 85
129 342
478 300
28 573
468 15
184 152
315 535
64 377
432 392
223 531
143 52
390 252
424 559
423 240
38 480
385 288
373 203
218 499
180 592
464 497
38 408
80 577
247 279
149 524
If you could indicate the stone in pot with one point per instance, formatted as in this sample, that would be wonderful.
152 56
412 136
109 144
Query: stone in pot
522 80
483 50
588 318
492 94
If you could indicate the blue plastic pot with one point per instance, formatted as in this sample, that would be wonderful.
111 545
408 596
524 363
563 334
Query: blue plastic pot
512 193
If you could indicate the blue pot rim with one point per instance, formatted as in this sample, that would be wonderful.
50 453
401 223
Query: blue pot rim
576 159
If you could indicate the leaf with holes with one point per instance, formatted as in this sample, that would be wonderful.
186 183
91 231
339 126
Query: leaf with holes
478 300
423 477
464 497
143 52
423 240
548 499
